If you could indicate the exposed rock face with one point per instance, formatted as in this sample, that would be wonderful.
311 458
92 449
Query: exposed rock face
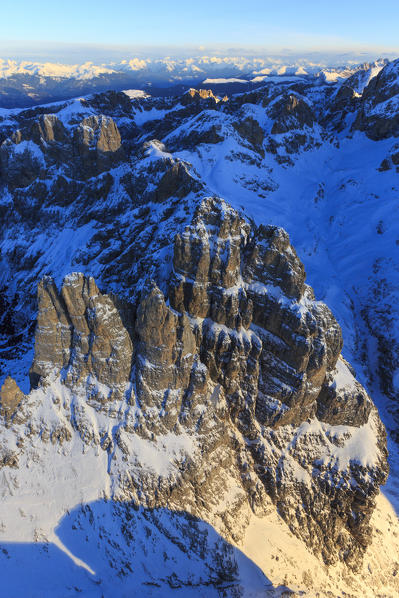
343 404
97 144
173 387
392 159
93 147
378 116
271 347
196 95
204 131
253 281
175 182
80 335
348 98
11 397
21 161
250 130
48 129
235 355
110 101
291 113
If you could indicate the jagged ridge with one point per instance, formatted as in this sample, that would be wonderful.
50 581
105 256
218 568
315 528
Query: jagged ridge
239 359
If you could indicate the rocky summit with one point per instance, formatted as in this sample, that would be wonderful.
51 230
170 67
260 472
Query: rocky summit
179 412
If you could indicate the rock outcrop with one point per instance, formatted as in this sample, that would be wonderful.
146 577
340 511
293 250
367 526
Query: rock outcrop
97 145
92 147
80 335
378 115
198 95
235 355
11 398
21 161
253 283
250 130
290 113
273 349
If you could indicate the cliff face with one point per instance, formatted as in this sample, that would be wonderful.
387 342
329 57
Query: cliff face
80 333
92 147
378 112
240 359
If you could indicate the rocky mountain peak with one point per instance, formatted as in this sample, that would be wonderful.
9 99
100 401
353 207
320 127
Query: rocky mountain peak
90 148
196 95
377 116
238 357
79 333
291 112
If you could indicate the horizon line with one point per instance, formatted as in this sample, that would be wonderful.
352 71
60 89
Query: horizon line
29 45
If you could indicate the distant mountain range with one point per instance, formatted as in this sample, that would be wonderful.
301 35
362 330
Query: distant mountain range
24 83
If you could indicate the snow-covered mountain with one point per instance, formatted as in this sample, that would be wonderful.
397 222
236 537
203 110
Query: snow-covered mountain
186 66
178 414
26 83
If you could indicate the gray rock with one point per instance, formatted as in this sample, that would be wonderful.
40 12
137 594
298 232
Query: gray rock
80 335
11 398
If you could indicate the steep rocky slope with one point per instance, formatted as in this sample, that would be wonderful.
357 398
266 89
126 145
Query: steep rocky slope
236 371
185 382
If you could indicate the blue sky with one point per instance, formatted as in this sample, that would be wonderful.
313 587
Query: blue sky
305 24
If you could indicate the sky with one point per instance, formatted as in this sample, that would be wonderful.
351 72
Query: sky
307 25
